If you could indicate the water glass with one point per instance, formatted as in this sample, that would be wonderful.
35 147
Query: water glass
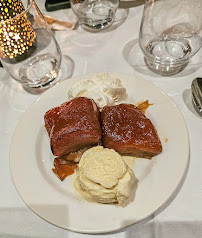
28 48
170 34
95 15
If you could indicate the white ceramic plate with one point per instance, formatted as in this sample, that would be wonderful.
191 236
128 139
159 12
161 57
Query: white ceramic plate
57 202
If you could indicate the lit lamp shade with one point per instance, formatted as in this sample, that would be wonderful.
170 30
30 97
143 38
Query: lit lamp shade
17 37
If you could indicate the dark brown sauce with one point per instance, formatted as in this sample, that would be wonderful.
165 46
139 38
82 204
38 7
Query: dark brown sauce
144 105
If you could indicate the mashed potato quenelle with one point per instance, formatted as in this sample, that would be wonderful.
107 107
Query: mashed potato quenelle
104 177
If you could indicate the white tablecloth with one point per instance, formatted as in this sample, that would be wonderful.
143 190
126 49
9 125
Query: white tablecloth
112 50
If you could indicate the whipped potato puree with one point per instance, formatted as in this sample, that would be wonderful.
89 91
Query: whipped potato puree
103 89
104 177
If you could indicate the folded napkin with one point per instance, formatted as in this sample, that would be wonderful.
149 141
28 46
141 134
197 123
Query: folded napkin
60 20
59 24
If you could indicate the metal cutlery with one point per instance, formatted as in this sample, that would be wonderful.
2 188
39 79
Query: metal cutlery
196 89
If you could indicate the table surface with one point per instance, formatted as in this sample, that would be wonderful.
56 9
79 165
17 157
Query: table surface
113 50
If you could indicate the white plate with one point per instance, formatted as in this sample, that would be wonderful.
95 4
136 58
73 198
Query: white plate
57 202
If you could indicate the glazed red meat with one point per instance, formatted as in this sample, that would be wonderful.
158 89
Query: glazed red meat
128 131
74 125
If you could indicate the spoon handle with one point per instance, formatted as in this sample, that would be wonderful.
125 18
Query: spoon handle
197 93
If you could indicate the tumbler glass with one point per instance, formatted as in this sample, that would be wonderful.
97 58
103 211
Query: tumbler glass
170 34
95 15
28 48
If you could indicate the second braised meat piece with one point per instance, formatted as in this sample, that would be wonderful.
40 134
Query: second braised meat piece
128 131
73 125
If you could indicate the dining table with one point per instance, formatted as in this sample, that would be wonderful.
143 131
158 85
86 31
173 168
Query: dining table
115 49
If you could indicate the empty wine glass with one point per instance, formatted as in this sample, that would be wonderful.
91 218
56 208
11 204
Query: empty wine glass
170 33
95 15
28 48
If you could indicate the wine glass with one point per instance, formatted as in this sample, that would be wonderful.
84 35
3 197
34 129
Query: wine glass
170 34
95 15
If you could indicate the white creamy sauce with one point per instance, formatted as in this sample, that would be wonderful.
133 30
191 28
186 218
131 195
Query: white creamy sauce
103 89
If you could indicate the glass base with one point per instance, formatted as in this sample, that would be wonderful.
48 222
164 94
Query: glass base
65 72
165 69
95 26
97 16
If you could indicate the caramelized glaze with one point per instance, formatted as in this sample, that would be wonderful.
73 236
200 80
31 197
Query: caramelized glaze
144 105
63 168
73 156
73 125
128 131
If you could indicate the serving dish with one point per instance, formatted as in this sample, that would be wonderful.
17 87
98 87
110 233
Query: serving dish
59 203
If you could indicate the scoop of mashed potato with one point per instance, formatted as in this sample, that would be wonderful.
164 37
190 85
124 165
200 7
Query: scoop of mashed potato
104 177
